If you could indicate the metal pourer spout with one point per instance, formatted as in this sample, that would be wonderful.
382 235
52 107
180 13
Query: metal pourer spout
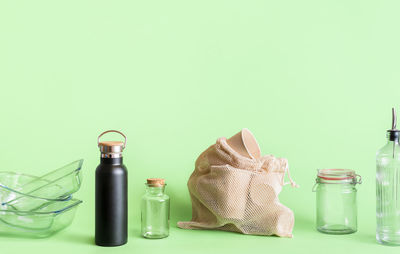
394 119
394 133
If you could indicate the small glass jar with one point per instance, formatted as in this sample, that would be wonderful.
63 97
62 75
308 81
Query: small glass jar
155 210
336 201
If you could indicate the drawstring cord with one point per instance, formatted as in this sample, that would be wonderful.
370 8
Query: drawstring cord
291 182
275 163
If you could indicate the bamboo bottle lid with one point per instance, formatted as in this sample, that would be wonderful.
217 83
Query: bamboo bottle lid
111 149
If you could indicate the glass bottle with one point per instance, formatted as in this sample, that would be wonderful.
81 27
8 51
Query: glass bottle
336 201
388 188
155 210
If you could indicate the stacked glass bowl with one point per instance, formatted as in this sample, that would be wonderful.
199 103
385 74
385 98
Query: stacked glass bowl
39 206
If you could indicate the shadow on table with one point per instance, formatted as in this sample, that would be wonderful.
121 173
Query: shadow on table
304 222
64 236
367 238
78 238
181 210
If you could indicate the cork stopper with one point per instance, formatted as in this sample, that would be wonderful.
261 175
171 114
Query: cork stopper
156 182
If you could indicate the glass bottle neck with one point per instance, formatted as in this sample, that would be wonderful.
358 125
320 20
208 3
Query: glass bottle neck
393 142
155 191
393 136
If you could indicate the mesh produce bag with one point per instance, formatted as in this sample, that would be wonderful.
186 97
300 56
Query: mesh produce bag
234 188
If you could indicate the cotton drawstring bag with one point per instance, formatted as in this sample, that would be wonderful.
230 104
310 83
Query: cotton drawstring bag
234 188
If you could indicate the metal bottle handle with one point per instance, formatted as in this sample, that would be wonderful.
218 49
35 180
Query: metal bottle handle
98 138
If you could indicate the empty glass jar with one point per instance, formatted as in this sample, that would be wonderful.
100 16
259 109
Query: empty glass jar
336 201
155 210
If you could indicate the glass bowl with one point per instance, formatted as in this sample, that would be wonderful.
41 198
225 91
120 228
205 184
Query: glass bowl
18 189
44 221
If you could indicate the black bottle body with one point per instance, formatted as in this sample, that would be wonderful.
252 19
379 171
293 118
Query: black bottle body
111 203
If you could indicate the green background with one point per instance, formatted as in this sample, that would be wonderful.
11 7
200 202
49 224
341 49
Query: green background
313 80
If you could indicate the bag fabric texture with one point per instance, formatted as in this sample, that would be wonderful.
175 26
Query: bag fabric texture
234 188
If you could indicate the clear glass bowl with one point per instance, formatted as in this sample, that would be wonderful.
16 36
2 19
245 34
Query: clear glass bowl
44 221
25 192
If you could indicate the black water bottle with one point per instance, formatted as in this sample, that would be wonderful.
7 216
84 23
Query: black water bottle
111 194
